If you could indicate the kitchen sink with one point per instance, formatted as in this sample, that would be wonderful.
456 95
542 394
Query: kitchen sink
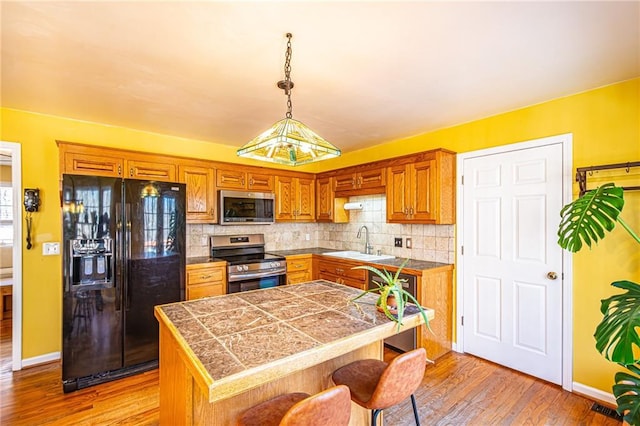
356 255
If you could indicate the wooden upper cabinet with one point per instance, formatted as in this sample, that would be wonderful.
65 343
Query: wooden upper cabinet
240 179
96 161
364 181
139 169
324 199
97 164
422 191
295 199
201 193
329 208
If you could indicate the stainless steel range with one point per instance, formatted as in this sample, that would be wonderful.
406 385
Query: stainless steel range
249 267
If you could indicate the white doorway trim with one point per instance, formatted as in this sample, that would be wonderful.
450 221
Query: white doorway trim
567 260
16 316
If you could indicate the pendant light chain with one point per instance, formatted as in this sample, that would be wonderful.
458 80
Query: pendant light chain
287 77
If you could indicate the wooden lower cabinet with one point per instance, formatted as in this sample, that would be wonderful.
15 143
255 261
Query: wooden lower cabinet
299 269
206 279
341 272
435 291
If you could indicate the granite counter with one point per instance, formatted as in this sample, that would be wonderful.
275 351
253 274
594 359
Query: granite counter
222 355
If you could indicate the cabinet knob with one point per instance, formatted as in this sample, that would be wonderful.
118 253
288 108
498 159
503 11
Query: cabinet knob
411 211
131 172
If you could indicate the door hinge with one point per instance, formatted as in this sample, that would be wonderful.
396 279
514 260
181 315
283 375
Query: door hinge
462 180
462 320
462 250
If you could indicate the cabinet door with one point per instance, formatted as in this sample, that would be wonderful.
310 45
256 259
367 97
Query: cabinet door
204 280
324 199
397 194
285 197
373 178
204 290
345 182
230 179
305 200
299 270
93 165
201 204
148 170
423 191
259 182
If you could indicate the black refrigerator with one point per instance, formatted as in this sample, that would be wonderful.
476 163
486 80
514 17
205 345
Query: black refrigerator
123 253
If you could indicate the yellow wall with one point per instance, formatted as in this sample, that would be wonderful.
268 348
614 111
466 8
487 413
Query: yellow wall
606 129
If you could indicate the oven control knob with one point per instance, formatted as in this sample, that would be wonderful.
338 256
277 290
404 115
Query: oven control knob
239 268
245 268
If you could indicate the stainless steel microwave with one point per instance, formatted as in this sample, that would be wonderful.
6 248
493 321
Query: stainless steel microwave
246 208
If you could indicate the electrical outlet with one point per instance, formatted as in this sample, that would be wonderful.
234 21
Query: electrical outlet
408 243
397 242
50 249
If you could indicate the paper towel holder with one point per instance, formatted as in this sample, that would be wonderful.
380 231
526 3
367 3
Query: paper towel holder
353 206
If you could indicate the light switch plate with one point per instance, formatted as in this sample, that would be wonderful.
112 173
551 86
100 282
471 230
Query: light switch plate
397 242
50 249
408 243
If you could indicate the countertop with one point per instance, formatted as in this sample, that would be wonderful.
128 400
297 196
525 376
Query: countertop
396 262
201 259
238 341
413 264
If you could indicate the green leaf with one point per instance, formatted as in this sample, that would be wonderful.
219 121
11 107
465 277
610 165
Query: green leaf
616 334
586 218
627 392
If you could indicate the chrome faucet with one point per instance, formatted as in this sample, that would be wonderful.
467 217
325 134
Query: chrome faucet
368 248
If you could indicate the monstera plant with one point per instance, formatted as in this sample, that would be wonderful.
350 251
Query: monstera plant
585 221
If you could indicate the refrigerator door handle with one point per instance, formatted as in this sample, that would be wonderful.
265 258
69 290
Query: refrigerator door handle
126 268
117 277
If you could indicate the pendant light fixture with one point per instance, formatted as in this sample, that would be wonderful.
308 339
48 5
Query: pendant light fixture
289 141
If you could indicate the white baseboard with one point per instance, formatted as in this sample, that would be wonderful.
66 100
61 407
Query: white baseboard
41 359
454 347
594 393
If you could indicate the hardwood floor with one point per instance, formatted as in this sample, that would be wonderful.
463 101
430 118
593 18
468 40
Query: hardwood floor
458 389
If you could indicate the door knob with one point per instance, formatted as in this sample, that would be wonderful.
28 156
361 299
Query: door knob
552 275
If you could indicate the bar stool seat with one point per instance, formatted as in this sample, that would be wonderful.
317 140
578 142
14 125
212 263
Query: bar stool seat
329 407
377 385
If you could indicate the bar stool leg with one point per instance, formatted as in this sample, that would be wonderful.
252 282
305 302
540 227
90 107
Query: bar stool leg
374 416
415 409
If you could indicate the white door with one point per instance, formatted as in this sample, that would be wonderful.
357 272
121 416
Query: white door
512 309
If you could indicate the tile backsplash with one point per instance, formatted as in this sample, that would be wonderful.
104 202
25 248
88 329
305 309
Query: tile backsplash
428 242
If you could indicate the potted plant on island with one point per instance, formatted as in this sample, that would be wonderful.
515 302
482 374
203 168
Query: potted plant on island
585 220
393 298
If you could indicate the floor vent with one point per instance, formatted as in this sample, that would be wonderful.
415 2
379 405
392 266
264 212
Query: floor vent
609 412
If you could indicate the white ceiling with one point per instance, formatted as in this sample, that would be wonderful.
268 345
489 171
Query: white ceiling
364 72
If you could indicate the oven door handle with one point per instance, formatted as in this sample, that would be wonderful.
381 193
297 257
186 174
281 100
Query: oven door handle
252 275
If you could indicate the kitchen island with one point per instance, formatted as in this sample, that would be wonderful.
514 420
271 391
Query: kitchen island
221 355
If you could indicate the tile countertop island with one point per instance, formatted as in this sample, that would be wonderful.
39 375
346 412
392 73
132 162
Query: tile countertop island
221 355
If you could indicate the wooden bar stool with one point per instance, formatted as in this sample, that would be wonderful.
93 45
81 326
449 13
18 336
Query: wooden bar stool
329 407
377 385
